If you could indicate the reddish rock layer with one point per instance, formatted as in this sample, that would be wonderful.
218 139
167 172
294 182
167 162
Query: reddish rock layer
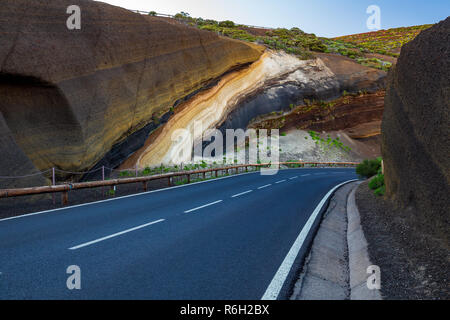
343 113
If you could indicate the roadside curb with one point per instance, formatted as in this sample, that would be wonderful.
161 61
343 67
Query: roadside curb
324 273
358 254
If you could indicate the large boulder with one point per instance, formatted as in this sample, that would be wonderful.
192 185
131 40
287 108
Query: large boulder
416 128
68 96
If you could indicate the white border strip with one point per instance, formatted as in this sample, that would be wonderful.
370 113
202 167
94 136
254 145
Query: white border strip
278 280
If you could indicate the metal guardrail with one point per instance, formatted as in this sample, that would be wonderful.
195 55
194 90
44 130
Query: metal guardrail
173 17
65 188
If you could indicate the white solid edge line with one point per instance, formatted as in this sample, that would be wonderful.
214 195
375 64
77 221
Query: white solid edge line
206 205
263 187
241 194
115 235
274 288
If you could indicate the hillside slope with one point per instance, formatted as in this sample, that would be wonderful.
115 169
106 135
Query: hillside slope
385 41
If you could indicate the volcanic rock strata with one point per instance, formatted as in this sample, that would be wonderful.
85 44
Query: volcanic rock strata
69 96
273 83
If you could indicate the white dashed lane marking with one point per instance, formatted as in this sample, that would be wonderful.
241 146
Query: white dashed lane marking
241 194
115 235
206 205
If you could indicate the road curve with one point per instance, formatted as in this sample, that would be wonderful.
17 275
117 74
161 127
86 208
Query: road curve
221 239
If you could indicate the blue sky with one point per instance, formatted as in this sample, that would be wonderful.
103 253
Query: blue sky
328 18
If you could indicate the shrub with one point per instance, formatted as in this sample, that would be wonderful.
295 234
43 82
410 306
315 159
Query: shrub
368 168
152 13
377 184
227 24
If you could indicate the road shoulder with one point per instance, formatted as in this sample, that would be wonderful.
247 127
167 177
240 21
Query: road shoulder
336 266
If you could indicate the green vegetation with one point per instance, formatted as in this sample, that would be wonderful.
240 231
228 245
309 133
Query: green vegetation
377 184
375 63
329 142
373 168
384 41
293 41
369 168
297 42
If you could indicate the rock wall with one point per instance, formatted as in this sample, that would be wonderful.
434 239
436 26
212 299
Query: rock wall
416 128
351 111
213 107
68 96
272 83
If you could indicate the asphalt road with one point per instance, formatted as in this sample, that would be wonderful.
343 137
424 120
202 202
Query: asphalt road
222 239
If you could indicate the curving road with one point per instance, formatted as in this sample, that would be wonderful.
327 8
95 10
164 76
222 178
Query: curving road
227 239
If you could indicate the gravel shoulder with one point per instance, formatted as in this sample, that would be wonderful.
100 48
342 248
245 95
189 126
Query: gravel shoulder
414 263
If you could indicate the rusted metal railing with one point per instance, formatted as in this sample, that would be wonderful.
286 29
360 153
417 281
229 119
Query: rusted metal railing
65 188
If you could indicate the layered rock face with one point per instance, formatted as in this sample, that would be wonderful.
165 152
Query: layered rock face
68 96
347 112
416 128
213 107
272 83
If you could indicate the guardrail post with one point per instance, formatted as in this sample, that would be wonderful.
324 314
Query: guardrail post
65 198
53 183
216 173
144 185
188 178
169 180
103 179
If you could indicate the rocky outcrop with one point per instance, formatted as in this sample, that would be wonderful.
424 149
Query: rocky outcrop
416 130
69 96
213 107
352 111
272 83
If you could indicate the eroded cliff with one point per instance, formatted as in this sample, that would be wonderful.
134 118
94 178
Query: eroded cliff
68 96
272 83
